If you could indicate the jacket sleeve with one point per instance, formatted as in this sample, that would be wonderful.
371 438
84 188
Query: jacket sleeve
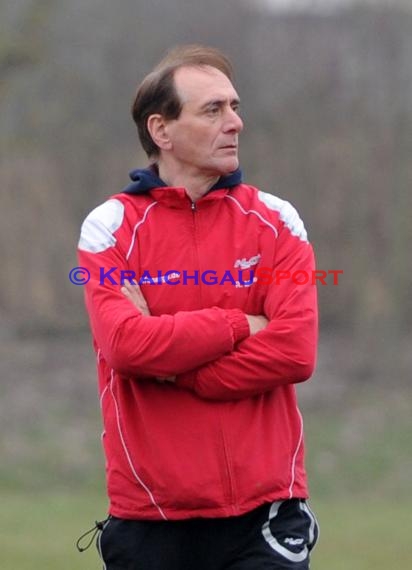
282 353
138 345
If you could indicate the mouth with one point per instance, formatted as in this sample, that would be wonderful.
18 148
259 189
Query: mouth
229 147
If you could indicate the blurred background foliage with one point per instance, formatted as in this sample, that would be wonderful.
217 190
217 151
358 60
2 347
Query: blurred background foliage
326 95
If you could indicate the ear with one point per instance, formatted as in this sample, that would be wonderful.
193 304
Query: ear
157 127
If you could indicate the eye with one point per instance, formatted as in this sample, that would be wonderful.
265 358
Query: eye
213 110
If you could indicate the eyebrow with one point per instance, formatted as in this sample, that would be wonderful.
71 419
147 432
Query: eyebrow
219 102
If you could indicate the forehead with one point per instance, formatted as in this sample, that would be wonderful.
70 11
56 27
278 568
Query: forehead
199 84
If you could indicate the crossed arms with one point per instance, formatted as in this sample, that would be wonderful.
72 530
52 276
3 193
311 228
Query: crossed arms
217 353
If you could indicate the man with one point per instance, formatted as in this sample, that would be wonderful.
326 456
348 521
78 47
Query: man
197 359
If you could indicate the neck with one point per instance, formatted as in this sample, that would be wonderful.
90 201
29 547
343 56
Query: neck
195 184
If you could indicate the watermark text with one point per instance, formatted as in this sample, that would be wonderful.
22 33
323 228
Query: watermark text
240 278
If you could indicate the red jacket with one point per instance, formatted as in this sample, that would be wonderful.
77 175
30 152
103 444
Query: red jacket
228 435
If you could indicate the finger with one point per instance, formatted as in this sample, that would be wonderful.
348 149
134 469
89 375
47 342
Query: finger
138 295
129 293
131 286
133 293
125 290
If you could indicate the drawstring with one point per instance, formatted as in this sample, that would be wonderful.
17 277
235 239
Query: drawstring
98 527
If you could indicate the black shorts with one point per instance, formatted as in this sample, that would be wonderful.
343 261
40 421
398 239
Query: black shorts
276 536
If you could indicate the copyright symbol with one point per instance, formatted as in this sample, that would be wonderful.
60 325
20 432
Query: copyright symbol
79 275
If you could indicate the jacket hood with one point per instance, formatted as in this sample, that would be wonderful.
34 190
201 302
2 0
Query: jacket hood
145 179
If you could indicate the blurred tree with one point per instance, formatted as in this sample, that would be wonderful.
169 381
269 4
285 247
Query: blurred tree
327 101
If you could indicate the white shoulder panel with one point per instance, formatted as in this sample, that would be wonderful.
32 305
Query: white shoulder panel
98 228
287 214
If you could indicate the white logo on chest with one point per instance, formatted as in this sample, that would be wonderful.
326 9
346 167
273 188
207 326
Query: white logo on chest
247 263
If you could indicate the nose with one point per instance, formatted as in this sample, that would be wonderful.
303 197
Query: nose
233 122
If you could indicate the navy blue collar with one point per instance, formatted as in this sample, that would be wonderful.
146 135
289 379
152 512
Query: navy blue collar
144 179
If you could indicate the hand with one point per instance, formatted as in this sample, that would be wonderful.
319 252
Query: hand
133 292
256 323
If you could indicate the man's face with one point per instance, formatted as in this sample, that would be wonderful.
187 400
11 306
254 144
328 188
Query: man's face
204 138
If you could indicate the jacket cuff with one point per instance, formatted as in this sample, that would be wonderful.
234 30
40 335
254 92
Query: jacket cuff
239 323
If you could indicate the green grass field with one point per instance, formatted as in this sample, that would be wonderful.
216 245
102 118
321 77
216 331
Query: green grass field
39 532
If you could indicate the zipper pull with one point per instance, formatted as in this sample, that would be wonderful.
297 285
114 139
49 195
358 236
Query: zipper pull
193 206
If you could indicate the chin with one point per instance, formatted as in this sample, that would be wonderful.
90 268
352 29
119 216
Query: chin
228 166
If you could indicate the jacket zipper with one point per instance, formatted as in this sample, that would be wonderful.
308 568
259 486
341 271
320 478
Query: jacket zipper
226 459
228 467
195 242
